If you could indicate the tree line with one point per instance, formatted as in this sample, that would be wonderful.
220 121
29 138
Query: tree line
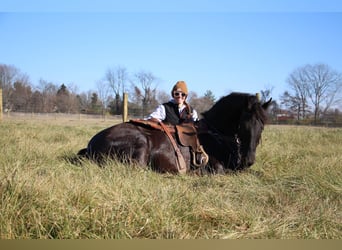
313 94
20 95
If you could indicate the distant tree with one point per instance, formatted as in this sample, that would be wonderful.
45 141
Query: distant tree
203 103
48 92
21 98
84 101
37 104
94 100
95 104
333 116
266 94
116 79
63 99
318 83
163 96
74 105
144 85
210 96
103 94
324 86
63 90
8 75
293 103
298 99
290 103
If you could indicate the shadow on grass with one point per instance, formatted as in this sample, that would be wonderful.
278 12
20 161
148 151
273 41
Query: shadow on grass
74 159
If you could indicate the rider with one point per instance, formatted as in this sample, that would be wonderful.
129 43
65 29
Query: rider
177 110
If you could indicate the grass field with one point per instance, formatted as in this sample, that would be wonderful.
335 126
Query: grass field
293 191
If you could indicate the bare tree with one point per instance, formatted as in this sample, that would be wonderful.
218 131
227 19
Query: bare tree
201 104
74 104
21 98
116 79
317 83
37 105
48 92
323 85
103 94
146 93
298 85
292 103
266 94
8 75
84 100
163 96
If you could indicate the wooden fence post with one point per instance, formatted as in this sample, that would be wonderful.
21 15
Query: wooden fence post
125 107
258 96
1 110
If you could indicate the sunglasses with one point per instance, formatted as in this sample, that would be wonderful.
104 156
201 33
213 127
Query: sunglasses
179 93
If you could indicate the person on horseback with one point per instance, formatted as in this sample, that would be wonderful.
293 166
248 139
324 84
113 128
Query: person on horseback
177 110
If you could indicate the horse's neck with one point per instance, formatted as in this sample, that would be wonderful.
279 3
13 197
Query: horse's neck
206 125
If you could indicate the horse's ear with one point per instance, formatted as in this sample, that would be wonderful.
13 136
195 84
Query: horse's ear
266 104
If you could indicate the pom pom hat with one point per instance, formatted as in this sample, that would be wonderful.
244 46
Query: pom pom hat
180 86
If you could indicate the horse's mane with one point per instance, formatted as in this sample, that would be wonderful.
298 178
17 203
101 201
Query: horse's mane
225 114
260 112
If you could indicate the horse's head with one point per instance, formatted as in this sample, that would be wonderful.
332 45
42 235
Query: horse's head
251 125
240 119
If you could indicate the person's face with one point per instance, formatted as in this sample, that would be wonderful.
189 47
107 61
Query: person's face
179 96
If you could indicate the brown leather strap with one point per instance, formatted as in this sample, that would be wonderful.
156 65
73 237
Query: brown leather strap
153 123
181 165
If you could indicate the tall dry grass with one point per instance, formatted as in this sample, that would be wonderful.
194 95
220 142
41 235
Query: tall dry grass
293 191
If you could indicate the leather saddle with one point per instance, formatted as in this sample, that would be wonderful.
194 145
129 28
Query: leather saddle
186 135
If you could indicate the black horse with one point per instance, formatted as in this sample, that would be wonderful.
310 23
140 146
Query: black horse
229 132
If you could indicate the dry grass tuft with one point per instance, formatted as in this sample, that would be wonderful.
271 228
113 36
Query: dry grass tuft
292 192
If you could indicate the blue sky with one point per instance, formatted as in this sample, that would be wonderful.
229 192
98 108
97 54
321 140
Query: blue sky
221 46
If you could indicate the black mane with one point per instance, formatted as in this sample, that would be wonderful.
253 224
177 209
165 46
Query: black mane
226 112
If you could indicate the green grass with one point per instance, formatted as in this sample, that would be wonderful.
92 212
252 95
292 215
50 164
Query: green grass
292 192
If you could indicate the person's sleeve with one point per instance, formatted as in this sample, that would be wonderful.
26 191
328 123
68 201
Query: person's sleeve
159 113
194 115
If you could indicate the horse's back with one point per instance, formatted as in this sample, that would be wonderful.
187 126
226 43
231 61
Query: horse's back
125 142
135 143
115 137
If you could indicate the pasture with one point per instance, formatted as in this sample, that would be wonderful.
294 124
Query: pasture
293 191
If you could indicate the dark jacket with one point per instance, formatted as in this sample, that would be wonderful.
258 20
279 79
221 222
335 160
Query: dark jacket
174 117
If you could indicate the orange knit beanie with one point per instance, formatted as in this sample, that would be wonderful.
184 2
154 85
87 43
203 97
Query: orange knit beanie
180 86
